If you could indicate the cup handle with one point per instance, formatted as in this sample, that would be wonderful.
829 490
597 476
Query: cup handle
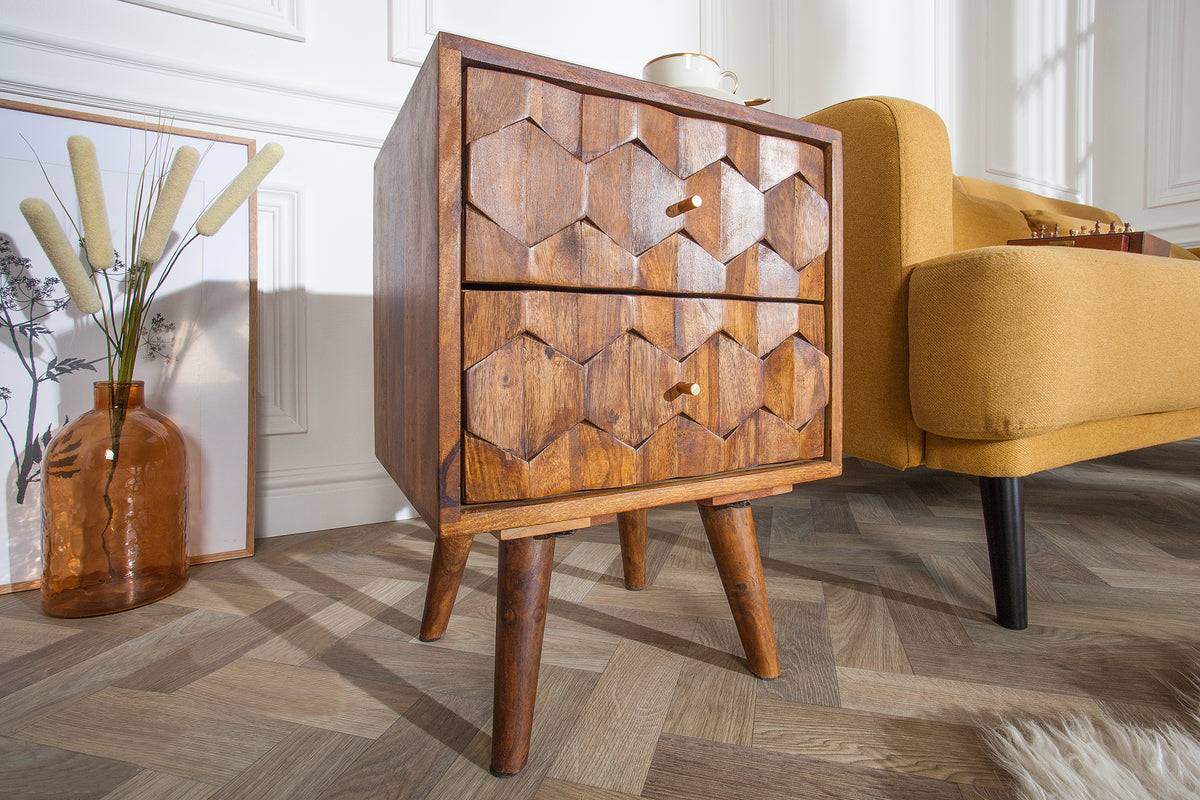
731 74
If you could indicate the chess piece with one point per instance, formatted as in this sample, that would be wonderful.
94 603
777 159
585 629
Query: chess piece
1041 232
1112 227
1096 229
1055 234
1073 232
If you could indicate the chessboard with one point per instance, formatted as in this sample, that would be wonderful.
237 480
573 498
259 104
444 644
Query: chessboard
1120 238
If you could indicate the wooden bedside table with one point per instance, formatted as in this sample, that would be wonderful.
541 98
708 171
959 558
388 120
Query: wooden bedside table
596 295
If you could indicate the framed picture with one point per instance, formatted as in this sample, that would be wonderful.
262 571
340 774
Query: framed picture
197 356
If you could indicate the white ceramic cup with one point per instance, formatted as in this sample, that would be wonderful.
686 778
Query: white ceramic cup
688 69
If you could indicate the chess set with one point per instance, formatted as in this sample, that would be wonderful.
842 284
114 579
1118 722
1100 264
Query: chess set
1119 237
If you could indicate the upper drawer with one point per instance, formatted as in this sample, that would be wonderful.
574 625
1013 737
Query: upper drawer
573 189
567 392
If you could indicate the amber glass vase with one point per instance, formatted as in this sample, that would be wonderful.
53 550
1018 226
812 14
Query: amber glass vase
114 507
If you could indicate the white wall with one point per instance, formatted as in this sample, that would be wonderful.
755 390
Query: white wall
1089 100
1110 80
856 48
1147 106
325 78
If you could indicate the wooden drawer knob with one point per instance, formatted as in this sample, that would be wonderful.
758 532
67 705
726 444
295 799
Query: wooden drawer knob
686 204
686 388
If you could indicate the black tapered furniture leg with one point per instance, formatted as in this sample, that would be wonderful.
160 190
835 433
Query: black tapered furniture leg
1004 521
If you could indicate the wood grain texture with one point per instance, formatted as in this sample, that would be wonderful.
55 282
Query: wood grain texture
937 750
610 745
575 392
406 226
638 162
523 588
301 766
863 632
632 527
841 557
530 171
688 768
314 698
31 770
731 536
210 744
445 575
151 785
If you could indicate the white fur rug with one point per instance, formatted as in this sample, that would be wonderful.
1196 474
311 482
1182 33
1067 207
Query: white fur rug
1079 759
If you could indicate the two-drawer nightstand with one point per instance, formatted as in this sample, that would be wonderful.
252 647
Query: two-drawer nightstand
593 296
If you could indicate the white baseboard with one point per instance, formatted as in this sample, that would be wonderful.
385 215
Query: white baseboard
319 498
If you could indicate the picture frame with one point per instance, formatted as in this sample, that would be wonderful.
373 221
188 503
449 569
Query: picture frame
198 358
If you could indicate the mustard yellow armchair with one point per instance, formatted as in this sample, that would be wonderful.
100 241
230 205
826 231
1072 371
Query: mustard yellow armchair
998 361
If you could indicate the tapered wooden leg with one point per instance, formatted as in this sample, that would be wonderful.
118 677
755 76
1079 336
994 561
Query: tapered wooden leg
730 532
523 587
1004 521
445 575
632 526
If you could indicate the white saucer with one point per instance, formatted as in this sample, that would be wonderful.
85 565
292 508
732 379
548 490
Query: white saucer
709 91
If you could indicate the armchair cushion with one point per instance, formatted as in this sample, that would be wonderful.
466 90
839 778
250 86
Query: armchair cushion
1020 198
982 221
1012 342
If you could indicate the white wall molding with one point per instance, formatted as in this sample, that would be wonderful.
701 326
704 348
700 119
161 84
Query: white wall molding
333 496
1166 181
283 18
282 317
1085 111
1051 101
713 26
410 31
280 107
413 24
945 67
780 42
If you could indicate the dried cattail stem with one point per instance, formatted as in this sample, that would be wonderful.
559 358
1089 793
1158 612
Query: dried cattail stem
239 189
86 169
166 208
62 255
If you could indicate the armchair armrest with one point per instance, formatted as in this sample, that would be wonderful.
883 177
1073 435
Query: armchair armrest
1011 342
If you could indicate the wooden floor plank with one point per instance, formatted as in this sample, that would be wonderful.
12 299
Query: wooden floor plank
65 686
862 630
297 673
806 657
19 637
219 648
685 769
32 770
313 697
409 759
298 768
938 750
560 695
310 636
151 785
714 697
952 701
612 741
200 741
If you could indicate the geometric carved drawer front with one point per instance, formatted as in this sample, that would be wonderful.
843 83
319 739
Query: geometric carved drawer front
567 392
572 189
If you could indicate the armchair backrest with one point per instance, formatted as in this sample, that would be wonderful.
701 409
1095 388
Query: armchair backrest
897 212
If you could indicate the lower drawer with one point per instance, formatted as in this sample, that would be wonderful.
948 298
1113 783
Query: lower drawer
566 392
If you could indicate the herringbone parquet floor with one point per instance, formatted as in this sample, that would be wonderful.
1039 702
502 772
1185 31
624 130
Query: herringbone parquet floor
297 674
